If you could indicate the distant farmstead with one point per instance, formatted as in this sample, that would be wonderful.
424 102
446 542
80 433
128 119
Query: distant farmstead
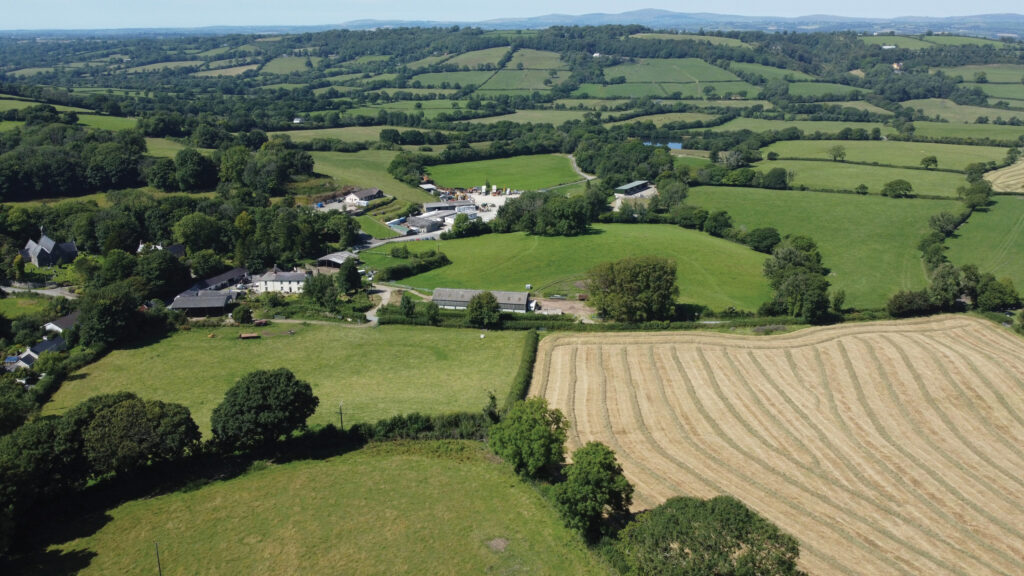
363 196
278 281
633 187
49 252
458 299
335 259
202 303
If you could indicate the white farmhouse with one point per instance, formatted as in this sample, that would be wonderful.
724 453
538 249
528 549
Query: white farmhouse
275 280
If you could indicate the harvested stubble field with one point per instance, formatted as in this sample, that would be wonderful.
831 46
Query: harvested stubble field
885 448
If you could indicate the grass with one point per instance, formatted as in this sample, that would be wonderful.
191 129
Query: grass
711 271
367 169
993 240
377 372
681 70
890 152
869 242
437 79
898 41
970 131
949 110
1013 91
288 64
519 172
817 89
555 117
232 71
587 91
6 125
374 228
859 105
165 65
19 104
107 122
845 176
394 508
943 40
808 126
348 134
993 72
14 306
523 80
536 60
770 72
162 147
428 61
479 57
662 119
716 40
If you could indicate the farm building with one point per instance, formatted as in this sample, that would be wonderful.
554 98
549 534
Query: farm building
27 358
48 252
423 225
335 259
276 280
633 187
362 197
458 299
60 325
202 303
221 281
177 250
452 205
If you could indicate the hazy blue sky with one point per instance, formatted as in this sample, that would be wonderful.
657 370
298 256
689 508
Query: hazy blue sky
65 14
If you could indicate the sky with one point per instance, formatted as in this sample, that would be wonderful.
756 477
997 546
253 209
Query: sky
107 14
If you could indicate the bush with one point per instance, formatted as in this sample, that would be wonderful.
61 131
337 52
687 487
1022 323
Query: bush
905 304
531 437
521 382
418 265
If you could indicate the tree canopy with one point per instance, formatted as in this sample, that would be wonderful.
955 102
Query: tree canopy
634 289
531 437
262 407
594 488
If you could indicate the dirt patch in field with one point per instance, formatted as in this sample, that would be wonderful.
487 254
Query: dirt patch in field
885 448
498 545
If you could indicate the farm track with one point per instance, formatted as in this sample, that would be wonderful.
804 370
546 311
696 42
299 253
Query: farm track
885 448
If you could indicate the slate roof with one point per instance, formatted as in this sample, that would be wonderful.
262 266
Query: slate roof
200 299
365 193
64 322
463 295
276 275
230 277
431 206
337 257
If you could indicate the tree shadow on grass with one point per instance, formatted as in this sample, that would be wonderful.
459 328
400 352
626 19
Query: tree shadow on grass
50 562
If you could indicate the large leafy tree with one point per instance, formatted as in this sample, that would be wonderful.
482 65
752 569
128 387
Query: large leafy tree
483 310
133 433
634 289
531 437
262 407
693 537
594 488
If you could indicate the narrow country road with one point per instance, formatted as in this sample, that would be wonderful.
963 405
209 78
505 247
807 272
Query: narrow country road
53 292
578 171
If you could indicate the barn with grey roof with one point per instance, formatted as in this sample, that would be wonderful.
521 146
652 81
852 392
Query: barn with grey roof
458 299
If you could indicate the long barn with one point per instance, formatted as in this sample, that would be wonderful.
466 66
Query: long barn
458 299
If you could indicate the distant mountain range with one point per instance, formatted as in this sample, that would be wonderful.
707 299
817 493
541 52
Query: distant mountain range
990 25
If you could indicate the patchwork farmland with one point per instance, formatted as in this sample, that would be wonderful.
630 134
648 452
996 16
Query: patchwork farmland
885 448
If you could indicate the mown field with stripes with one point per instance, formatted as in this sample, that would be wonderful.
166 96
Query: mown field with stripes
885 448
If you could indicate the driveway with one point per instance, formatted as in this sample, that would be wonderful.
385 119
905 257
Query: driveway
52 292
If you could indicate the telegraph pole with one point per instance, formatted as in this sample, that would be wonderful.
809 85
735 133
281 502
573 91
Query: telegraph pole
159 570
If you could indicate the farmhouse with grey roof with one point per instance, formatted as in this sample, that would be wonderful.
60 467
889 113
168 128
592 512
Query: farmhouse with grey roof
201 303
48 252
458 299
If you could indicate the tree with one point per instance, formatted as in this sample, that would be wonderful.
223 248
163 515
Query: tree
408 305
776 179
194 171
762 239
929 162
907 303
242 314
206 263
483 310
432 313
107 315
261 407
348 278
531 437
897 189
996 295
634 289
718 223
945 287
133 433
594 487
838 153
861 189
15 403
693 537
944 223
197 231
320 288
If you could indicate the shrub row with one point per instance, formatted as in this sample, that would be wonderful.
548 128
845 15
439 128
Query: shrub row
521 382
416 266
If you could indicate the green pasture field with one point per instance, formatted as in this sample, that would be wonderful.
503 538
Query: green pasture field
374 228
338 89
907 42
233 71
662 119
869 242
162 147
859 105
536 60
519 172
368 59
711 271
1009 73
1010 91
690 161
376 78
523 80
736 104
479 57
436 79
376 372
816 89
19 104
972 131
590 91
31 71
591 103
891 152
390 508
808 126
555 117
6 125
282 86
717 40
955 113
15 306
830 175
770 72
107 122
163 65
340 78
677 70
216 51
443 92
288 64
943 40
427 62
348 134
368 168
429 108
993 240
